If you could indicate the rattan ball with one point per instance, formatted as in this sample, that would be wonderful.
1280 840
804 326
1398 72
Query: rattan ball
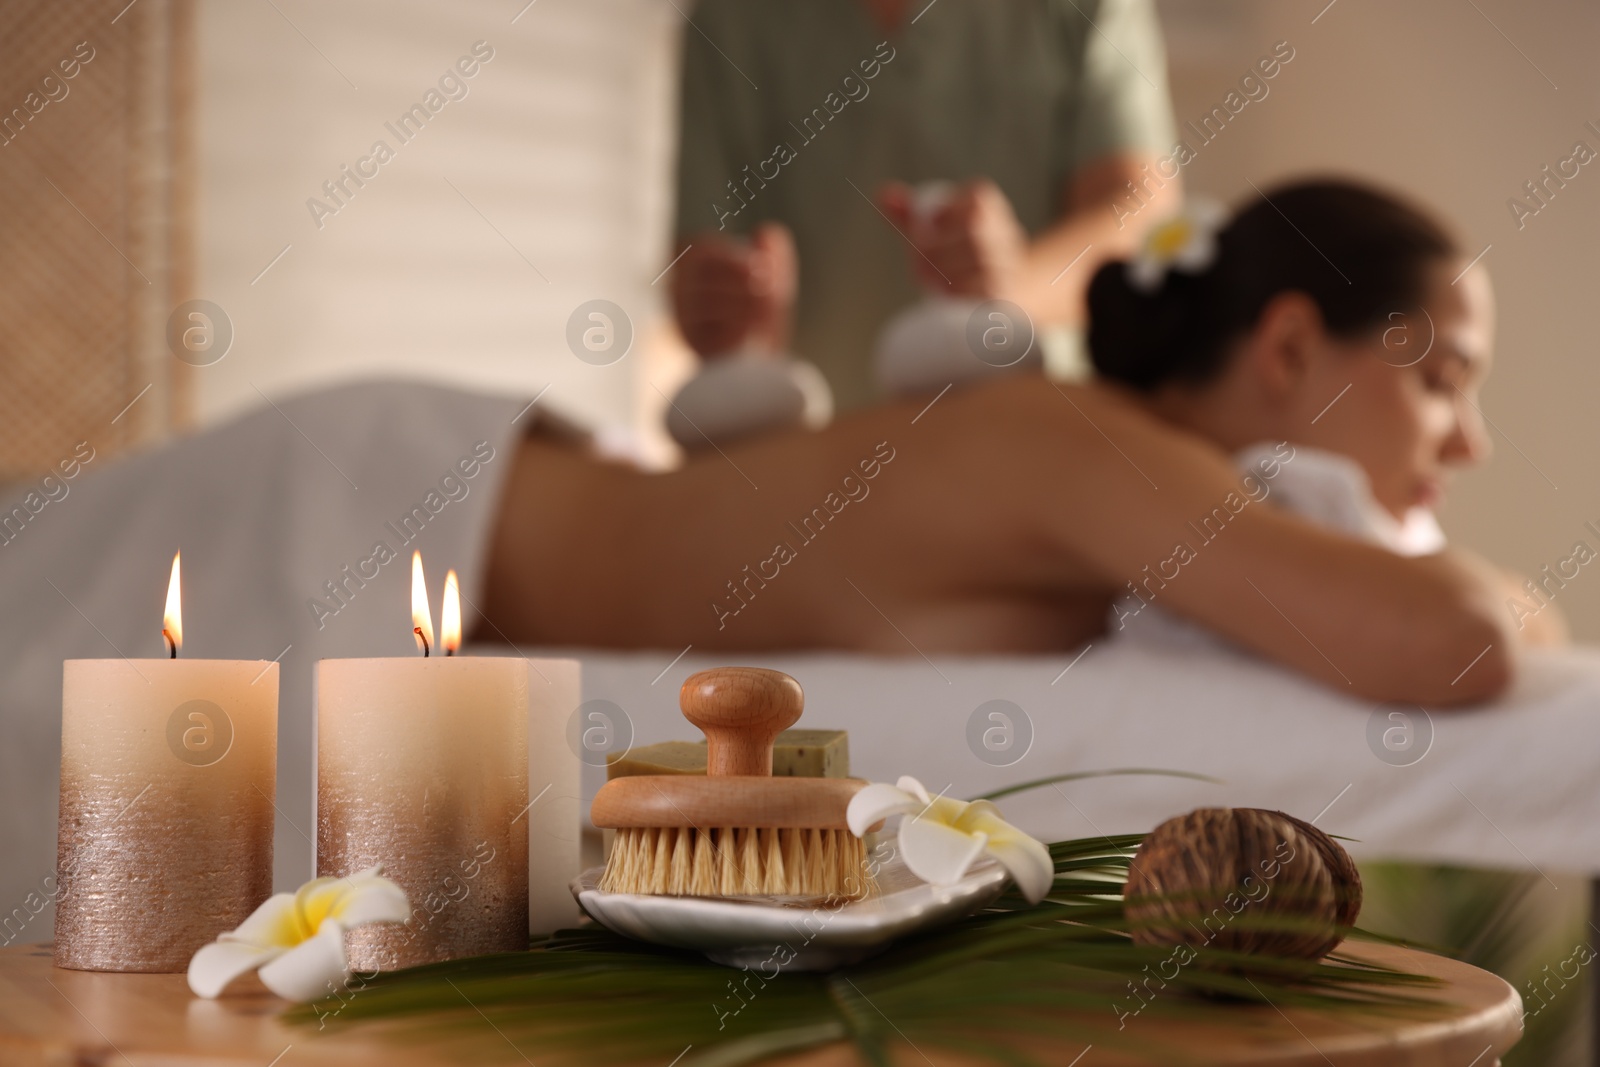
1244 880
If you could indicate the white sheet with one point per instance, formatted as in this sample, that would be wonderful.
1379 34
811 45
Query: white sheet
1514 784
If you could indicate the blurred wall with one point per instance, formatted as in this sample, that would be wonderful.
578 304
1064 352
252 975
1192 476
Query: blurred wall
462 258
1459 103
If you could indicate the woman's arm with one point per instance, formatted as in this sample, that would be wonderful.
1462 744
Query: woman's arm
1538 622
1163 515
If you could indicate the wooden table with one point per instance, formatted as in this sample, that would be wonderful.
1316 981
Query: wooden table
56 1017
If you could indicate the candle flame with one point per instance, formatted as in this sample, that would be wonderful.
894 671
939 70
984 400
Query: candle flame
450 615
421 618
172 620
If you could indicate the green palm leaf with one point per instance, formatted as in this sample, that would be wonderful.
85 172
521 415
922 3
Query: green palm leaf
982 986
1076 776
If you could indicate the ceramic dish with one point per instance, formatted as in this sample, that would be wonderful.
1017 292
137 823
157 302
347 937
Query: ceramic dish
748 932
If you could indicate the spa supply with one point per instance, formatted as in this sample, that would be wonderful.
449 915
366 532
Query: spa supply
795 754
168 769
768 936
1244 880
746 393
449 772
421 766
737 831
811 754
666 757
945 340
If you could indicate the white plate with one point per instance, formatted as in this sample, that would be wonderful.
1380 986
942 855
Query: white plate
751 933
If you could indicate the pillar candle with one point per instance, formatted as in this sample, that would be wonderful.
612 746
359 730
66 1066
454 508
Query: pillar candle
424 766
167 782
421 766
554 820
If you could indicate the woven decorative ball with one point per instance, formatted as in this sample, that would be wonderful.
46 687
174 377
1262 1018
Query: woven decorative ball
1244 880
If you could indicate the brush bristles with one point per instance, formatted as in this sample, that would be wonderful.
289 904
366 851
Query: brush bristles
823 864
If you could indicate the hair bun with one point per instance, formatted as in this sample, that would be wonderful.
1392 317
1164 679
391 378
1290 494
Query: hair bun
1284 240
1144 339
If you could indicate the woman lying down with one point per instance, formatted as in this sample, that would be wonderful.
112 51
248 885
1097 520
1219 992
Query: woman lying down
1323 346
1023 515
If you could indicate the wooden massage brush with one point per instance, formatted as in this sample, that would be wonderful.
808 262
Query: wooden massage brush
738 831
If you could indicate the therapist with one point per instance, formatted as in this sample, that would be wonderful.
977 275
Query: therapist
804 125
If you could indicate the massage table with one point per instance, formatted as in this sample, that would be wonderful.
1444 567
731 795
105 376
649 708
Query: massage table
1512 784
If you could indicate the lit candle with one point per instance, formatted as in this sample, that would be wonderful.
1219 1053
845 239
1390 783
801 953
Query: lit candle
423 766
167 782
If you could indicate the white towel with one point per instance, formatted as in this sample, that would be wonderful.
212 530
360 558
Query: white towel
1333 490
1328 488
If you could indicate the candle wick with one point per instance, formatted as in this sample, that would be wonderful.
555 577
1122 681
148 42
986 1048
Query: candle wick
448 651
172 646
423 638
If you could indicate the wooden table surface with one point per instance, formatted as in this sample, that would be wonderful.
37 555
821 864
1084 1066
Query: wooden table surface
56 1017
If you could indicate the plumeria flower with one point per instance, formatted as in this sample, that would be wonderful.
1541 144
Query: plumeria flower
297 939
1185 242
943 837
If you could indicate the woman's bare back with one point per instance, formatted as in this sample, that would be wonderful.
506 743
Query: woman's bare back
1004 517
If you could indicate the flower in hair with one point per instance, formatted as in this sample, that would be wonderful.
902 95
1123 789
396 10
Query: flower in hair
1186 242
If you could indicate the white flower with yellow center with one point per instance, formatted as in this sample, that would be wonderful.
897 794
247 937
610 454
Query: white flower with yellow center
1186 242
297 939
940 837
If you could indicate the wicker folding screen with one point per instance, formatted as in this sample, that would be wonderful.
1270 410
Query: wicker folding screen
95 249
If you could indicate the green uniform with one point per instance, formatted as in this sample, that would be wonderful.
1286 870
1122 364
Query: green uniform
797 110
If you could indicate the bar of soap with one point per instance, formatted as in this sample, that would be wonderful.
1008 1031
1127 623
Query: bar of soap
795 754
668 757
811 754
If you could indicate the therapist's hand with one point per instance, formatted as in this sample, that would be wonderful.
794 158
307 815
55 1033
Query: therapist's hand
727 293
972 246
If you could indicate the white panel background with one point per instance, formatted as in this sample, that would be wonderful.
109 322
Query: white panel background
563 145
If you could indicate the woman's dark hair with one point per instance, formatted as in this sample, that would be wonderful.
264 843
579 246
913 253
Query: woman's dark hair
1360 253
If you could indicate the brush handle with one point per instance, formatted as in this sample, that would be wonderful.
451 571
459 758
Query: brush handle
741 710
